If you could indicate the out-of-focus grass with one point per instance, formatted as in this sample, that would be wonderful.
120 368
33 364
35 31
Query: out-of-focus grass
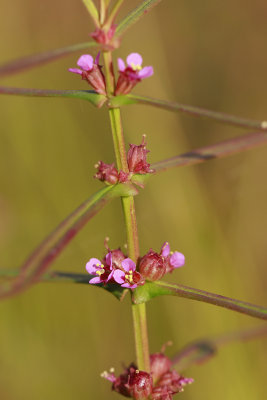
55 340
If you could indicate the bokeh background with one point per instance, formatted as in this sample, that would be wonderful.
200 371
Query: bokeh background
55 340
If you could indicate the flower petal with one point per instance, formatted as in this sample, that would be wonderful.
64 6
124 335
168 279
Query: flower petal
128 285
110 275
95 280
76 70
86 62
92 265
146 72
119 276
177 259
128 265
134 59
165 249
109 259
121 65
97 58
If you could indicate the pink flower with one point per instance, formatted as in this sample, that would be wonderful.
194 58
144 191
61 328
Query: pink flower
103 272
131 74
171 259
127 276
90 70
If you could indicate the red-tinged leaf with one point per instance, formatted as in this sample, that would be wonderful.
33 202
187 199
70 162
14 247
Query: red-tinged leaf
202 350
96 99
68 277
28 62
218 150
154 289
41 259
119 101
135 15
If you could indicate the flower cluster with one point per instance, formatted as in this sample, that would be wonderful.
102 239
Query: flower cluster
161 384
137 164
129 75
117 268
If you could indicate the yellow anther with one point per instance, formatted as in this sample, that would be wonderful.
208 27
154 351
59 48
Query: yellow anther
136 67
100 272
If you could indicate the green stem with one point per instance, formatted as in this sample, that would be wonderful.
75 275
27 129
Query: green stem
139 311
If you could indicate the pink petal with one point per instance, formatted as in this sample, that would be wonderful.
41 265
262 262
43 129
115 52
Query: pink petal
165 249
146 72
76 70
121 65
110 275
135 59
119 276
86 62
128 265
128 285
109 259
97 58
95 280
92 264
177 259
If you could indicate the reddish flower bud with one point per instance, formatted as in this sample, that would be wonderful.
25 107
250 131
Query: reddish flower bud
159 364
136 159
106 173
161 393
106 37
174 382
151 266
117 257
140 384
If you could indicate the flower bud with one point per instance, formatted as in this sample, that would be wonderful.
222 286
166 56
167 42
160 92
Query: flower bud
140 384
174 382
159 364
106 173
161 393
117 257
136 158
151 266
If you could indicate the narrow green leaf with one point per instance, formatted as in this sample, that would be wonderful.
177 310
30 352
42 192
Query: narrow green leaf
154 289
135 15
202 350
91 8
43 256
218 150
118 101
21 64
68 277
96 99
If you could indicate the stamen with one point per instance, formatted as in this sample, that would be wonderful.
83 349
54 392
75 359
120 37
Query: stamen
136 67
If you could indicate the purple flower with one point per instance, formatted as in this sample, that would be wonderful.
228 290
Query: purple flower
132 73
90 70
171 259
103 272
127 276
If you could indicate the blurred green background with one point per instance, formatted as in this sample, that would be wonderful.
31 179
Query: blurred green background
55 340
